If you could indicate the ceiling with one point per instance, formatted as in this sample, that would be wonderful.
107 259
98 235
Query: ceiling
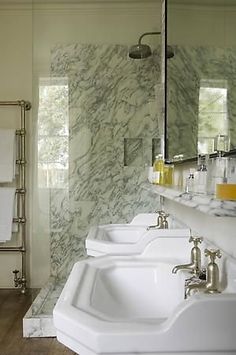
7 2
204 2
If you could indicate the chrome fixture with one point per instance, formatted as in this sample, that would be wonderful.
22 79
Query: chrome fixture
195 279
170 54
195 265
162 222
21 194
143 51
212 283
19 281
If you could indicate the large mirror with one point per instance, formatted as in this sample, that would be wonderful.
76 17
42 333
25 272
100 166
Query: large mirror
201 77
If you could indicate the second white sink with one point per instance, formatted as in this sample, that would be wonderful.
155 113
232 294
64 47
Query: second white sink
125 239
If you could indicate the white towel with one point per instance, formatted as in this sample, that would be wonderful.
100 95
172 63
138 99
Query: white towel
7 207
15 226
7 155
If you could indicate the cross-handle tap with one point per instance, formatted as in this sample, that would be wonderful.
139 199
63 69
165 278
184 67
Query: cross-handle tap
212 283
162 222
195 261
195 240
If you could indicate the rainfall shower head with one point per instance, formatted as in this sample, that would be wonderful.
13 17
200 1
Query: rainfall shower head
169 52
142 51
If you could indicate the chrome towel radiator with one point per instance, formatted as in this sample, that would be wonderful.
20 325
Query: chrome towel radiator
20 281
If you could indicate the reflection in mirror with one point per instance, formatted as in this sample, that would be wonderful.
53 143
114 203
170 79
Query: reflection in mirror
212 115
201 100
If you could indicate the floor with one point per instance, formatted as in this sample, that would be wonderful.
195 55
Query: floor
13 307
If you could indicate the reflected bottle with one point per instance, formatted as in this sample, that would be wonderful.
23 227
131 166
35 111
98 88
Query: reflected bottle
168 173
158 170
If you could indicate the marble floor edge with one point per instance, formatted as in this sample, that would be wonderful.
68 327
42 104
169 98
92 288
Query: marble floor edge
38 320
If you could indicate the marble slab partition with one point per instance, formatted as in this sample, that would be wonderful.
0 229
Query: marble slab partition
113 122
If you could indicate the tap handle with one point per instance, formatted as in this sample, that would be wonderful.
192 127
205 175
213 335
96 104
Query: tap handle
213 253
160 212
195 240
163 214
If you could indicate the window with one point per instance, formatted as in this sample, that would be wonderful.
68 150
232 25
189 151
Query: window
53 133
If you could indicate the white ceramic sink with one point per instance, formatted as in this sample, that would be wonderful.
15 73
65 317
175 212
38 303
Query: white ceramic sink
135 305
126 239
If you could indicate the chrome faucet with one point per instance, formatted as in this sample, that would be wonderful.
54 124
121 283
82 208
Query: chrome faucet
212 283
195 264
162 222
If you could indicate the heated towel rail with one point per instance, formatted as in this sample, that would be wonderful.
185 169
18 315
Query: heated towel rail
20 281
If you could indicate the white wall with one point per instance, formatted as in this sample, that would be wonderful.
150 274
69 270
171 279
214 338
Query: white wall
15 84
201 25
108 23
220 230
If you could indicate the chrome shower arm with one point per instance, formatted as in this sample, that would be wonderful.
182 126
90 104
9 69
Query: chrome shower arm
147 34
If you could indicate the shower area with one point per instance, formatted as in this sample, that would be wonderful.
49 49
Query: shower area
97 124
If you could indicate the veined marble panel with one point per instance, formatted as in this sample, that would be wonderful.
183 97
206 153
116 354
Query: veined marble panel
112 99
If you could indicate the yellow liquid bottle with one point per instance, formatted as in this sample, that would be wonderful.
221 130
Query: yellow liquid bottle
158 169
168 174
226 191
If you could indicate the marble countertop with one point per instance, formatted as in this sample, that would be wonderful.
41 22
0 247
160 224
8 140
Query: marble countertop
204 203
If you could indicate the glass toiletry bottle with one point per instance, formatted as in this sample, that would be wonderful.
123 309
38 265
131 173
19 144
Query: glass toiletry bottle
177 174
168 173
200 176
189 186
222 143
158 169
218 172
227 189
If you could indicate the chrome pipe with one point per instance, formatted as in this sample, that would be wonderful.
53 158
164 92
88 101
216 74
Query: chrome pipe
26 104
13 249
147 34
10 103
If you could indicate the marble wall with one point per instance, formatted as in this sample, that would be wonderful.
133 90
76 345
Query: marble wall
189 66
113 135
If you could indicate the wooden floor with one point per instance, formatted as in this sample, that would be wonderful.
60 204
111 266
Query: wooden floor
13 307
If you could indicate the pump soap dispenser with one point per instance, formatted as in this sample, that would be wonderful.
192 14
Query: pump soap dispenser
200 176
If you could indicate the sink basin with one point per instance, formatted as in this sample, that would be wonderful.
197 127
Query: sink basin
134 305
120 233
125 239
120 290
